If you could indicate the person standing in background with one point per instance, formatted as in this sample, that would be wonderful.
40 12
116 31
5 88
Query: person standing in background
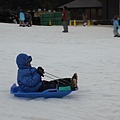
65 19
22 18
28 19
84 19
116 27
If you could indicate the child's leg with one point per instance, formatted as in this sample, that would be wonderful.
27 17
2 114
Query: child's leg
47 85
20 22
115 32
59 82
23 23
54 84
72 82
64 82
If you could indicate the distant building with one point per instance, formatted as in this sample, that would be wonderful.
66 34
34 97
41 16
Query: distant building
110 8
95 9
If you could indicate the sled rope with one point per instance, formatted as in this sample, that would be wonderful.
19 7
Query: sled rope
54 79
63 81
52 75
49 77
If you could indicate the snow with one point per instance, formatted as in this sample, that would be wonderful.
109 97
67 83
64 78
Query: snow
91 51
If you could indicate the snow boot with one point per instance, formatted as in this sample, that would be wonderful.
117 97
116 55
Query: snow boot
74 82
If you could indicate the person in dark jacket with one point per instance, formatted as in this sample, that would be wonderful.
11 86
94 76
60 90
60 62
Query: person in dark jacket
65 19
84 19
29 78
28 19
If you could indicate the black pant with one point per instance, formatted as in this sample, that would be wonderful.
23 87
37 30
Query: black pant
65 26
54 84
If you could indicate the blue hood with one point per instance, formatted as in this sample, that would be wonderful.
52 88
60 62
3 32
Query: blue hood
22 60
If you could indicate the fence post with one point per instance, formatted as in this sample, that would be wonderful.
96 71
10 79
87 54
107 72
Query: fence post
88 22
74 22
70 23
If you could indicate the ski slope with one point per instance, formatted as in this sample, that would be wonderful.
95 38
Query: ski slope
91 51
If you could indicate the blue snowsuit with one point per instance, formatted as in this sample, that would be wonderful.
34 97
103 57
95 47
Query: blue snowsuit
116 26
28 79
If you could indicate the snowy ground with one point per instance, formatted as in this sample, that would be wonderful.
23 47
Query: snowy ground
91 51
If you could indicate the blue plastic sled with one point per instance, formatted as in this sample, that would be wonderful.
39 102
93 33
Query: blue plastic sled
50 93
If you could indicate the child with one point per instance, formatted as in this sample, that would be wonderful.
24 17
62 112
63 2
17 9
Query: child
116 27
22 18
29 78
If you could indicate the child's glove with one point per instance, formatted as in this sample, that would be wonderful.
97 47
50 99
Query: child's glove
40 71
117 27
